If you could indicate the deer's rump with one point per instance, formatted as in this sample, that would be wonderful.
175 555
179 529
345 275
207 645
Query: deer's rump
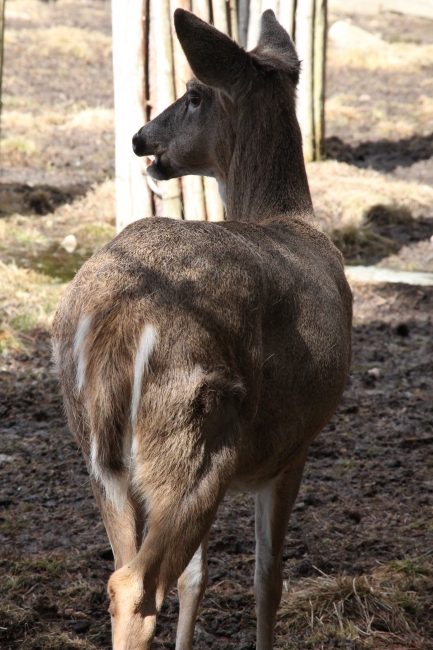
207 332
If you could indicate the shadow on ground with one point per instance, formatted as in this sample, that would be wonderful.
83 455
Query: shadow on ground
381 155
384 231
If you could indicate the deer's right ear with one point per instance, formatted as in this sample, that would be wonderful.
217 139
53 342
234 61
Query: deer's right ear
214 58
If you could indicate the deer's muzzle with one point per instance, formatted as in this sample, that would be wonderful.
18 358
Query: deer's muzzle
138 145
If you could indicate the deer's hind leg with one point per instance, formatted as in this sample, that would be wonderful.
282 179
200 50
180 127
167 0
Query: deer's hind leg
191 587
274 505
124 529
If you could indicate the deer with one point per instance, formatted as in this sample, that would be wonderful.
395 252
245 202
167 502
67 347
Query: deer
198 358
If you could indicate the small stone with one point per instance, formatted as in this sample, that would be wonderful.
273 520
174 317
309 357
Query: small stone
402 330
364 98
354 515
106 554
69 243
375 373
304 568
80 627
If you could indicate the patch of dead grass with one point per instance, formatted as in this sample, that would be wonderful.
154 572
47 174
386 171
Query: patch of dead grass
27 300
61 41
39 601
391 56
29 296
360 244
390 605
342 193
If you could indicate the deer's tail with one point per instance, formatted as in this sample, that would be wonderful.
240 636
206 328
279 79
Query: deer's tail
102 371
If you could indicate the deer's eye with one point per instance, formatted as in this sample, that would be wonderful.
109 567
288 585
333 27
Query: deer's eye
194 98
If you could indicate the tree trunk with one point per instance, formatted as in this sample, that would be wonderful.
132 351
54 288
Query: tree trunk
162 92
219 12
150 72
304 38
243 15
286 15
2 31
201 8
254 23
192 186
233 20
133 198
319 78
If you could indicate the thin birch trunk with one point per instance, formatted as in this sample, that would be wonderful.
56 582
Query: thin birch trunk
201 8
319 77
254 23
219 11
162 92
234 27
286 15
2 31
192 186
272 4
214 204
133 198
304 36
243 14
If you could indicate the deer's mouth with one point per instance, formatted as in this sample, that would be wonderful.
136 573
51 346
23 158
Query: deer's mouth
159 169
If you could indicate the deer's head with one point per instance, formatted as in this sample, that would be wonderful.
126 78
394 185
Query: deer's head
198 134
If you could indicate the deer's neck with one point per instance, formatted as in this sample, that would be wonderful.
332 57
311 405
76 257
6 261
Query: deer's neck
267 176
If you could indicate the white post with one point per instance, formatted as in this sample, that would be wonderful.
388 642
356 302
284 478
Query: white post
304 38
162 90
133 198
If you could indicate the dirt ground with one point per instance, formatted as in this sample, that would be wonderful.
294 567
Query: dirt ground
358 557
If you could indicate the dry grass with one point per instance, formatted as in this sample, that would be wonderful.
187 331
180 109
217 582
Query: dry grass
391 56
345 110
32 139
27 300
29 296
62 41
392 605
342 193
37 603
360 244
75 117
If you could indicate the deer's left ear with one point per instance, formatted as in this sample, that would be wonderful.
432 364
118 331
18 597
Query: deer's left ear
214 58
274 40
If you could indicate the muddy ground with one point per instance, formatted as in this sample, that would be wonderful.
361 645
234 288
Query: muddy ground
366 497
365 506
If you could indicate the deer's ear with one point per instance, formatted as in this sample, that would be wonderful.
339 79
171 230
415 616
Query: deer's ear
274 40
214 58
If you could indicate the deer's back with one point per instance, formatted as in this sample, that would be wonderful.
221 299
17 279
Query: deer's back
267 305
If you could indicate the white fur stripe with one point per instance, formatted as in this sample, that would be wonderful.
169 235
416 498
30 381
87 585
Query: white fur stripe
145 350
115 485
80 356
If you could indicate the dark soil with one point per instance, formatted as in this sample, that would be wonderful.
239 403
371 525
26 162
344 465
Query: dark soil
366 497
37 199
397 92
367 493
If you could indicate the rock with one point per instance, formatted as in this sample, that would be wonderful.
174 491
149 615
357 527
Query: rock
375 373
69 243
106 554
402 330
80 627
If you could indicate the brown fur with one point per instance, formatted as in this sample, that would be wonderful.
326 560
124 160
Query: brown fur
252 350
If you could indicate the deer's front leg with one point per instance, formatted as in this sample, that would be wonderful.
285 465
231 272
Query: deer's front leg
191 587
273 507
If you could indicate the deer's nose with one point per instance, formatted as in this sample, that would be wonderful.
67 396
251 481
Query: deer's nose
138 144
